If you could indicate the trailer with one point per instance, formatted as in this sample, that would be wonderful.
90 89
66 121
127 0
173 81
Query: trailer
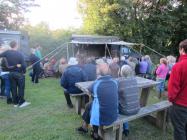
22 40
103 46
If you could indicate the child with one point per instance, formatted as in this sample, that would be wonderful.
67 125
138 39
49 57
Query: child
161 74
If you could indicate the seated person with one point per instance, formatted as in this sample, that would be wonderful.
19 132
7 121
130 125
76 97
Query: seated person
90 69
63 65
128 94
103 110
48 70
72 74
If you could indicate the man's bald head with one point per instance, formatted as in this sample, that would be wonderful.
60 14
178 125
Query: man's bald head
103 69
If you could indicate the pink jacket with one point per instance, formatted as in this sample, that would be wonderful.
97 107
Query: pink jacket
162 71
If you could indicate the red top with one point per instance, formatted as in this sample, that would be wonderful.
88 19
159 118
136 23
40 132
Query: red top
177 86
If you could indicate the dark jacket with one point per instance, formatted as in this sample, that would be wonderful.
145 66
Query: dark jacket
72 75
90 70
177 86
104 109
13 58
33 59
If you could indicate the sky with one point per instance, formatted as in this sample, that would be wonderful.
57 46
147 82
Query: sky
56 13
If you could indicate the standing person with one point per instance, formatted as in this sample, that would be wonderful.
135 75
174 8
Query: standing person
114 67
171 62
177 94
36 67
38 51
17 78
149 67
90 69
161 74
132 63
72 74
5 82
143 65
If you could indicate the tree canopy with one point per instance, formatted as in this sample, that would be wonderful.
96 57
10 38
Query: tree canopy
11 12
159 24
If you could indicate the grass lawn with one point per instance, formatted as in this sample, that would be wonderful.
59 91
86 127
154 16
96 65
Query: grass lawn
48 118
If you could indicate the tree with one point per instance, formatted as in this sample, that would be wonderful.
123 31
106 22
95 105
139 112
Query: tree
11 12
159 24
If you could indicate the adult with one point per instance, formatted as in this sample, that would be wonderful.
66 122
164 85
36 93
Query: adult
5 80
103 110
38 51
131 61
122 61
36 67
143 65
72 74
17 77
128 94
114 67
171 60
149 67
4 75
177 94
62 66
161 73
90 69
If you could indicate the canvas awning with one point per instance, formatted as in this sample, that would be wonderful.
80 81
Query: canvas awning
93 39
124 43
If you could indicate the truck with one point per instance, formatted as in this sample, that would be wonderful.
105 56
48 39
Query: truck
22 40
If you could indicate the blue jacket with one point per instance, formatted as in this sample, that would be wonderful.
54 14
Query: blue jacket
104 109
90 70
72 75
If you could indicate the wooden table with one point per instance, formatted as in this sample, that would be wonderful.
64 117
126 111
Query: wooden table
144 84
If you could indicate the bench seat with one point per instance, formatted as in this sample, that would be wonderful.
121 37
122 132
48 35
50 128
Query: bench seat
79 102
114 131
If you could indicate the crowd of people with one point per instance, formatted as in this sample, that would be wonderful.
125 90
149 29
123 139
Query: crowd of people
110 97
13 68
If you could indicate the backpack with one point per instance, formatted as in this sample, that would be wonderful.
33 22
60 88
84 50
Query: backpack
129 103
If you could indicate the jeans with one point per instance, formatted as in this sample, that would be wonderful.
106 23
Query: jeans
17 81
6 85
178 116
161 86
36 73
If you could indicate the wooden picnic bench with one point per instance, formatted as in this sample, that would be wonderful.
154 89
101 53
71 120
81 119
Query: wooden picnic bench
114 131
144 84
79 102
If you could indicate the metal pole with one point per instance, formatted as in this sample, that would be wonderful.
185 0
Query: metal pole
105 50
67 53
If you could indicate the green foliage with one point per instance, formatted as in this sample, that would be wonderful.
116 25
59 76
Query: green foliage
159 24
48 39
11 13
